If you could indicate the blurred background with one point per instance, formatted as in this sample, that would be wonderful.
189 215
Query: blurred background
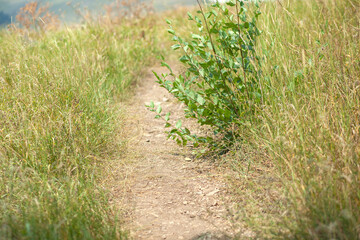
67 10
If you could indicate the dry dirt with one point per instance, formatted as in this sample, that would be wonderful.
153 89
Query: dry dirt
170 195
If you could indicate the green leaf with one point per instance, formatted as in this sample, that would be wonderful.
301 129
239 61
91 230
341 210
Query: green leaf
227 113
190 16
230 3
184 59
214 12
214 30
157 76
164 64
191 94
167 117
159 109
171 31
202 72
176 46
168 21
187 131
196 36
178 124
216 100
200 100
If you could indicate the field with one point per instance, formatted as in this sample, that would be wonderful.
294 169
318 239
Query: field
293 164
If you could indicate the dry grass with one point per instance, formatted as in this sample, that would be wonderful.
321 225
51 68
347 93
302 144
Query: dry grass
123 10
59 125
309 125
296 171
34 16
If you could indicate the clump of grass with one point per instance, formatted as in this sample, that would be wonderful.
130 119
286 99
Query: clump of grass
310 121
58 124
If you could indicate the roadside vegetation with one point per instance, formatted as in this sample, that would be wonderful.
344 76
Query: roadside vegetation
283 108
310 121
276 85
59 123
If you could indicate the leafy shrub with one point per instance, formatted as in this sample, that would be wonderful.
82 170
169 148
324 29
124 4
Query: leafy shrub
221 85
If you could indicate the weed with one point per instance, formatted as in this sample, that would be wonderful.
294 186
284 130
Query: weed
222 79
36 17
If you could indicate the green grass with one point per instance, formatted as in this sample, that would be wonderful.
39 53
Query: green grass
297 169
309 125
58 125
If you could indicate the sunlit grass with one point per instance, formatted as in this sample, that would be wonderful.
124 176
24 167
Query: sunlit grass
297 167
58 124
297 163
309 124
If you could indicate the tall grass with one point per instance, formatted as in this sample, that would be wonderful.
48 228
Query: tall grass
298 166
310 120
58 124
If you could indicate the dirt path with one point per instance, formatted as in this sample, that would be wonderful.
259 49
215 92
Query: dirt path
171 196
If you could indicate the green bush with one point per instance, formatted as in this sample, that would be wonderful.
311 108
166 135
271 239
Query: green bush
221 85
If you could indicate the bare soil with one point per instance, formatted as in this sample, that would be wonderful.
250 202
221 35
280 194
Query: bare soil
170 195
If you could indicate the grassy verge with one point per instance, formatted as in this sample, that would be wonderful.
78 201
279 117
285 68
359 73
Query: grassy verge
297 169
58 124
309 125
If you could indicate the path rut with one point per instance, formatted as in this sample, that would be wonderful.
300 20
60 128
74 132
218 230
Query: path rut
171 196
